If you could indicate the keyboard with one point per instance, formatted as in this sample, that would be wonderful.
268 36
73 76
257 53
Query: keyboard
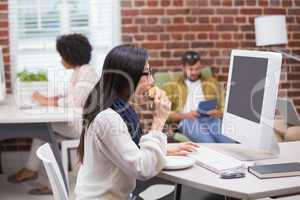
214 160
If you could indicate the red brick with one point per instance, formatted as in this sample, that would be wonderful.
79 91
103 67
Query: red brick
240 19
251 2
178 20
156 63
227 11
275 2
152 3
177 28
177 45
126 39
251 11
130 29
148 29
228 20
190 19
153 45
177 36
203 28
239 2
181 11
178 3
139 20
287 3
227 3
126 21
263 3
164 37
152 37
165 54
126 4
202 44
216 20
4 7
226 36
293 11
130 13
173 63
189 37
228 44
227 28
165 3
215 2
214 36
139 3
152 20
203 20
139 37
275 11
152 11
203 11
202 36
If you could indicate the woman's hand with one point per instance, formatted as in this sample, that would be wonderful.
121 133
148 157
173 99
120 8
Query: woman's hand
37 97
162 110
182 149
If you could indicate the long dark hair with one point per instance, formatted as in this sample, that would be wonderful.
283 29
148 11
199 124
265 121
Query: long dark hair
122 70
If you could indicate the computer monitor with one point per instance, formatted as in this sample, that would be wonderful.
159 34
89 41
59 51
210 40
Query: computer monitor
2 77
250 103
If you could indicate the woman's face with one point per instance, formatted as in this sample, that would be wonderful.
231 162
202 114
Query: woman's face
146 82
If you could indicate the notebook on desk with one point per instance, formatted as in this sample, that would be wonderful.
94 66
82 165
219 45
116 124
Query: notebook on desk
276 170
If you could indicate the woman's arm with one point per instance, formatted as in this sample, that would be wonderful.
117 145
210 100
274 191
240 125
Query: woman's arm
45 101
141 163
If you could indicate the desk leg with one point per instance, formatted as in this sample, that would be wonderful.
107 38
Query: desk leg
177 193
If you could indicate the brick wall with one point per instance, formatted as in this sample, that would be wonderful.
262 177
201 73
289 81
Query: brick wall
212 27
4 39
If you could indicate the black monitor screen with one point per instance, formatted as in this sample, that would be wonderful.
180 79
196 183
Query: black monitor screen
247 87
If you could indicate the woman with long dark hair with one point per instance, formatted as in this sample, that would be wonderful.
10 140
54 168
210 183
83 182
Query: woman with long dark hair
113 151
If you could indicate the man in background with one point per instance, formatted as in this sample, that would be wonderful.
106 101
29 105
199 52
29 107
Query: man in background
186 92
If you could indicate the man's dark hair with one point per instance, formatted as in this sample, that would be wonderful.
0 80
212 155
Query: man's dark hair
190 58
75 49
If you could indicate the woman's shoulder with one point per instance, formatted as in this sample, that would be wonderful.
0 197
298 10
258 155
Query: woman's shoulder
109 118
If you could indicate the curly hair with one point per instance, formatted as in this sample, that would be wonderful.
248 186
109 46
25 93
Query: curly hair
75 49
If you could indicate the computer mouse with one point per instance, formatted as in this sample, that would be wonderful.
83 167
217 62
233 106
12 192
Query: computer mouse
230 174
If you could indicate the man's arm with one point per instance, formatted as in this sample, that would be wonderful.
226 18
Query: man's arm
177 117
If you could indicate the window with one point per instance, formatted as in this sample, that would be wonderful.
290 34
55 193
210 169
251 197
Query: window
35 24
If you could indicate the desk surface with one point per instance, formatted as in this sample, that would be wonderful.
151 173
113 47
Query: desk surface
249 187
10 113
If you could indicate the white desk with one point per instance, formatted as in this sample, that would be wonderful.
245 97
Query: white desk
249 187
33 123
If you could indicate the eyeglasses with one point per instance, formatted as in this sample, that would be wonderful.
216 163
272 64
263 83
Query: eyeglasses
147 72
192 57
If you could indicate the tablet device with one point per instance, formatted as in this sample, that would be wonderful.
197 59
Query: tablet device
205 106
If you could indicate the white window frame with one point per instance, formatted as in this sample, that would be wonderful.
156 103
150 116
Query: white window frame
116 36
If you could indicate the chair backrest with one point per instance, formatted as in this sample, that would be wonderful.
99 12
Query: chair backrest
162 78
59 189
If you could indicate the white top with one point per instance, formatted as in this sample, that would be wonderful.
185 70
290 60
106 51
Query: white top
112 161
194 96
81 83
